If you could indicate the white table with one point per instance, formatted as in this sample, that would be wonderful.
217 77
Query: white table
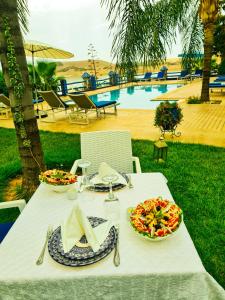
170 269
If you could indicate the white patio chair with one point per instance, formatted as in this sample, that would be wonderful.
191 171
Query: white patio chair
112 147
5 227
5 109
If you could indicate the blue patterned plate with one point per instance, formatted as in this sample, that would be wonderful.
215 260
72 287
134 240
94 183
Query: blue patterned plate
101 187
81 256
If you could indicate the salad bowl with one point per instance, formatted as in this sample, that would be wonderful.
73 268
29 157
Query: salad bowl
155 219
58 180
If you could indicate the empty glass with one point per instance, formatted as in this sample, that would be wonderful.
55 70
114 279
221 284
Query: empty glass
84 164
110 179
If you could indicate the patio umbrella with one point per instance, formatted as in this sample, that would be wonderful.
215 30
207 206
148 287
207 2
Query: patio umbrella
38 49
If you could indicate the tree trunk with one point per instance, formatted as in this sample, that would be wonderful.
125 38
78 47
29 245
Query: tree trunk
31 157
208 47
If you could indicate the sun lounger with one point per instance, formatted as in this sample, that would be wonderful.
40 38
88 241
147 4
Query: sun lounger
220 79
147 77
160 76
5 109
55 104
216 86
86 105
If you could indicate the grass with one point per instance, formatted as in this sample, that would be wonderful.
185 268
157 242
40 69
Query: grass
195 176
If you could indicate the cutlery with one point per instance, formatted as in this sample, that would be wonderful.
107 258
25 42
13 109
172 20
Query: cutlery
130 185
116 258
48 235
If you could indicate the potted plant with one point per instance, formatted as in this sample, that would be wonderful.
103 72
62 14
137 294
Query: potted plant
168 115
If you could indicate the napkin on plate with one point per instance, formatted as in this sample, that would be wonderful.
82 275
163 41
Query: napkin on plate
78 225
105 170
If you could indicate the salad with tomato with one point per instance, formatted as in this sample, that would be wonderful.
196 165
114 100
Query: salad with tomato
156 218
57 177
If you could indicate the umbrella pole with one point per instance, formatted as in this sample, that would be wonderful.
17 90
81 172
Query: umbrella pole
34 77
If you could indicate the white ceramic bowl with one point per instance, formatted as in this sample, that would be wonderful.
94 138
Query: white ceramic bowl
156 239
59 188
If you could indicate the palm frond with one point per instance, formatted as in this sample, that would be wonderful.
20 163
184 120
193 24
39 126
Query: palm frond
143 29
23 12
192 38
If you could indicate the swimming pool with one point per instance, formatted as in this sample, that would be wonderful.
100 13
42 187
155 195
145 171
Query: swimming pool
136 97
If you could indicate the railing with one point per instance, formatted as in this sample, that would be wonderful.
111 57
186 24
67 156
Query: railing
81 86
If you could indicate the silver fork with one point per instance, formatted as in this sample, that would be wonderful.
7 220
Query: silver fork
40 259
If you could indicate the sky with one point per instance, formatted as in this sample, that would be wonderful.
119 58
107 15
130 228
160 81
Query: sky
72 25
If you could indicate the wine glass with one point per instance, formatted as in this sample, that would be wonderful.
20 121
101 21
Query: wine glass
110 179
84 164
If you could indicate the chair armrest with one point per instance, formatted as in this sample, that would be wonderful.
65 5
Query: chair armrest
17 203
74 167
137 164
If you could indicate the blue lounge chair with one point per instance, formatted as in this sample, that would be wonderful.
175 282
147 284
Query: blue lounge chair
197 74
85 104
216 86
147 77
184 74
160 76
220 78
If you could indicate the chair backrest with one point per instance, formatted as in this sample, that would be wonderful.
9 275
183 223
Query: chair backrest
82 101
183 73
52 99
4 100
112 147
160 75
148 75
198 72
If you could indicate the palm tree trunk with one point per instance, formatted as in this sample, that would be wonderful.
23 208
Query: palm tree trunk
31 157
208 47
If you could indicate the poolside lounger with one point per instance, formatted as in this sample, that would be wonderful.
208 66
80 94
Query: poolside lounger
86 105
147 77
220 79
216 85
5 109
55 104
160 76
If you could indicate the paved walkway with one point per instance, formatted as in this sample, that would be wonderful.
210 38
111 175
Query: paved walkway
203 123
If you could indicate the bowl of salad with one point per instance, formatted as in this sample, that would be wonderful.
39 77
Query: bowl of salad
58 180
155 219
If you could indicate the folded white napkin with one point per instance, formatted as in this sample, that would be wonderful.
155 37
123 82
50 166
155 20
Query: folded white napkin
78 225
105 170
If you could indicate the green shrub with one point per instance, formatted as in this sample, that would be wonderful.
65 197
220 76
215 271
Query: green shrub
221 69
168 115
194 100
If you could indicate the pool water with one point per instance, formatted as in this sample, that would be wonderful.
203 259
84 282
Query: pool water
136 97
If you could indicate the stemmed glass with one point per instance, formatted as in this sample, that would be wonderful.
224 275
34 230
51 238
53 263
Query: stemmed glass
84 164
110 179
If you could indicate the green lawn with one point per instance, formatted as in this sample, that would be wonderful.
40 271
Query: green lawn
196 180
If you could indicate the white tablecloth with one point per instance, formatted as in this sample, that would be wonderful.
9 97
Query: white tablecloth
170 269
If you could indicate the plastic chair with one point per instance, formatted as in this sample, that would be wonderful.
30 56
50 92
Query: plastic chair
112 147
5 109
5 227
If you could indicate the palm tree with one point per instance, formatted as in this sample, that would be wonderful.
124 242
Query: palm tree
15 71
45 76
145 28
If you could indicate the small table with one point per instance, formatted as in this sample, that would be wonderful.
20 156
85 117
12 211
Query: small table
170 269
